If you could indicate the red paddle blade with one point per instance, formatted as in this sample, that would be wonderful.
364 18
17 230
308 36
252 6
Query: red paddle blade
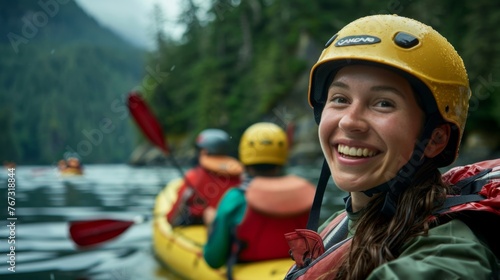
88 233
146 121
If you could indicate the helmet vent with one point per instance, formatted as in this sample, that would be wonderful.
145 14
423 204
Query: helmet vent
406 40
447 109
331 40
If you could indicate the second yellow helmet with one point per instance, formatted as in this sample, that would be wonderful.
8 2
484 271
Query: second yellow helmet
263 143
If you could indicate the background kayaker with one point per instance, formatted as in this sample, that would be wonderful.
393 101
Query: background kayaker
390 96
250 221
70 165
74 163
214 173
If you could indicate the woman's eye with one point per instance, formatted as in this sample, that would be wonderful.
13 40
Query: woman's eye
338 100
384 103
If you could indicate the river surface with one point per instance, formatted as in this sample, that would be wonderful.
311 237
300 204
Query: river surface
37 224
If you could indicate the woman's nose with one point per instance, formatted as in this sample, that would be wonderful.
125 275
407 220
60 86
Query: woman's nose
354 119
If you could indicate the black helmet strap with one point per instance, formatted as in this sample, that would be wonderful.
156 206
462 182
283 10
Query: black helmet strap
314 215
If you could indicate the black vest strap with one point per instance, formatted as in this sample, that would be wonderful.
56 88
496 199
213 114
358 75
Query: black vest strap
457 200
340 233
233 256
313 221
471 185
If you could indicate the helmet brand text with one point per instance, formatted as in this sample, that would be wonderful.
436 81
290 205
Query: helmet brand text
357 40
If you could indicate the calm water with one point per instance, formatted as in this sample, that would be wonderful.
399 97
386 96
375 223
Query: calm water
45 202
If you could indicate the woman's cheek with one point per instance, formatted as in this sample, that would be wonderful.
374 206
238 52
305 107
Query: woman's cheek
325 130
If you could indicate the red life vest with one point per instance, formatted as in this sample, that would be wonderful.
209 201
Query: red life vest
203 188
208 189
480 194
275 206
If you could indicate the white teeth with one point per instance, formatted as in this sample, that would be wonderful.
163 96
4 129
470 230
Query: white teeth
355 152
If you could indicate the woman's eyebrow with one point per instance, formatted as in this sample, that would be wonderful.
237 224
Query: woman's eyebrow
374 88
338 84
388 88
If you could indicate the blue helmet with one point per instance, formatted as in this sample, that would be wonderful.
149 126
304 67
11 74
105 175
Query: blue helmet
214 141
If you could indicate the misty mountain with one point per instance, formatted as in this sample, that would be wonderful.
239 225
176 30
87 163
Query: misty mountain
63 79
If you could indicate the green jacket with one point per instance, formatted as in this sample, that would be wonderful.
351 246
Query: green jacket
229 215
449 251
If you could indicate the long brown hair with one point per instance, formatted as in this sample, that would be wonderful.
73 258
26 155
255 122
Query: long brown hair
378 238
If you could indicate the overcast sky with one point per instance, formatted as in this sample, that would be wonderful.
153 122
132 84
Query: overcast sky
133 19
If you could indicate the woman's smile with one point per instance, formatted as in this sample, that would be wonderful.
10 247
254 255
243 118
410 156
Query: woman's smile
355 152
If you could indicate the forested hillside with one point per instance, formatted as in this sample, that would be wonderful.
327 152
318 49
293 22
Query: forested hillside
62 82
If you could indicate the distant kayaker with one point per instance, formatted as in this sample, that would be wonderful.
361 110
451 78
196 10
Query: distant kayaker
74 162
250 221
214 173
390 96
70 166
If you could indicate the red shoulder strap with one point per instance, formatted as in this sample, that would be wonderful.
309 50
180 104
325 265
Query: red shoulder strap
307 245
459 173
479 184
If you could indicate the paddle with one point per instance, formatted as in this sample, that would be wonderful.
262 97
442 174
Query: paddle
88 233
146 121
150 126
93 232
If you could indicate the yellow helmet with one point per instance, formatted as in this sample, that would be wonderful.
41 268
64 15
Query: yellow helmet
263 143
413 49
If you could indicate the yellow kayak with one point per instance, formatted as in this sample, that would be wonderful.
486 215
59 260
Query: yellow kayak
69 171
180 248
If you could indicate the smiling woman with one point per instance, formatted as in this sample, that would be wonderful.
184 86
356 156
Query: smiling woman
391 110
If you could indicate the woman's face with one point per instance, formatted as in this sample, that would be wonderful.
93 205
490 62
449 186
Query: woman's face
369 126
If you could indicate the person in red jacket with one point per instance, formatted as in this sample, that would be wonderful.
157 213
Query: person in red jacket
214 173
